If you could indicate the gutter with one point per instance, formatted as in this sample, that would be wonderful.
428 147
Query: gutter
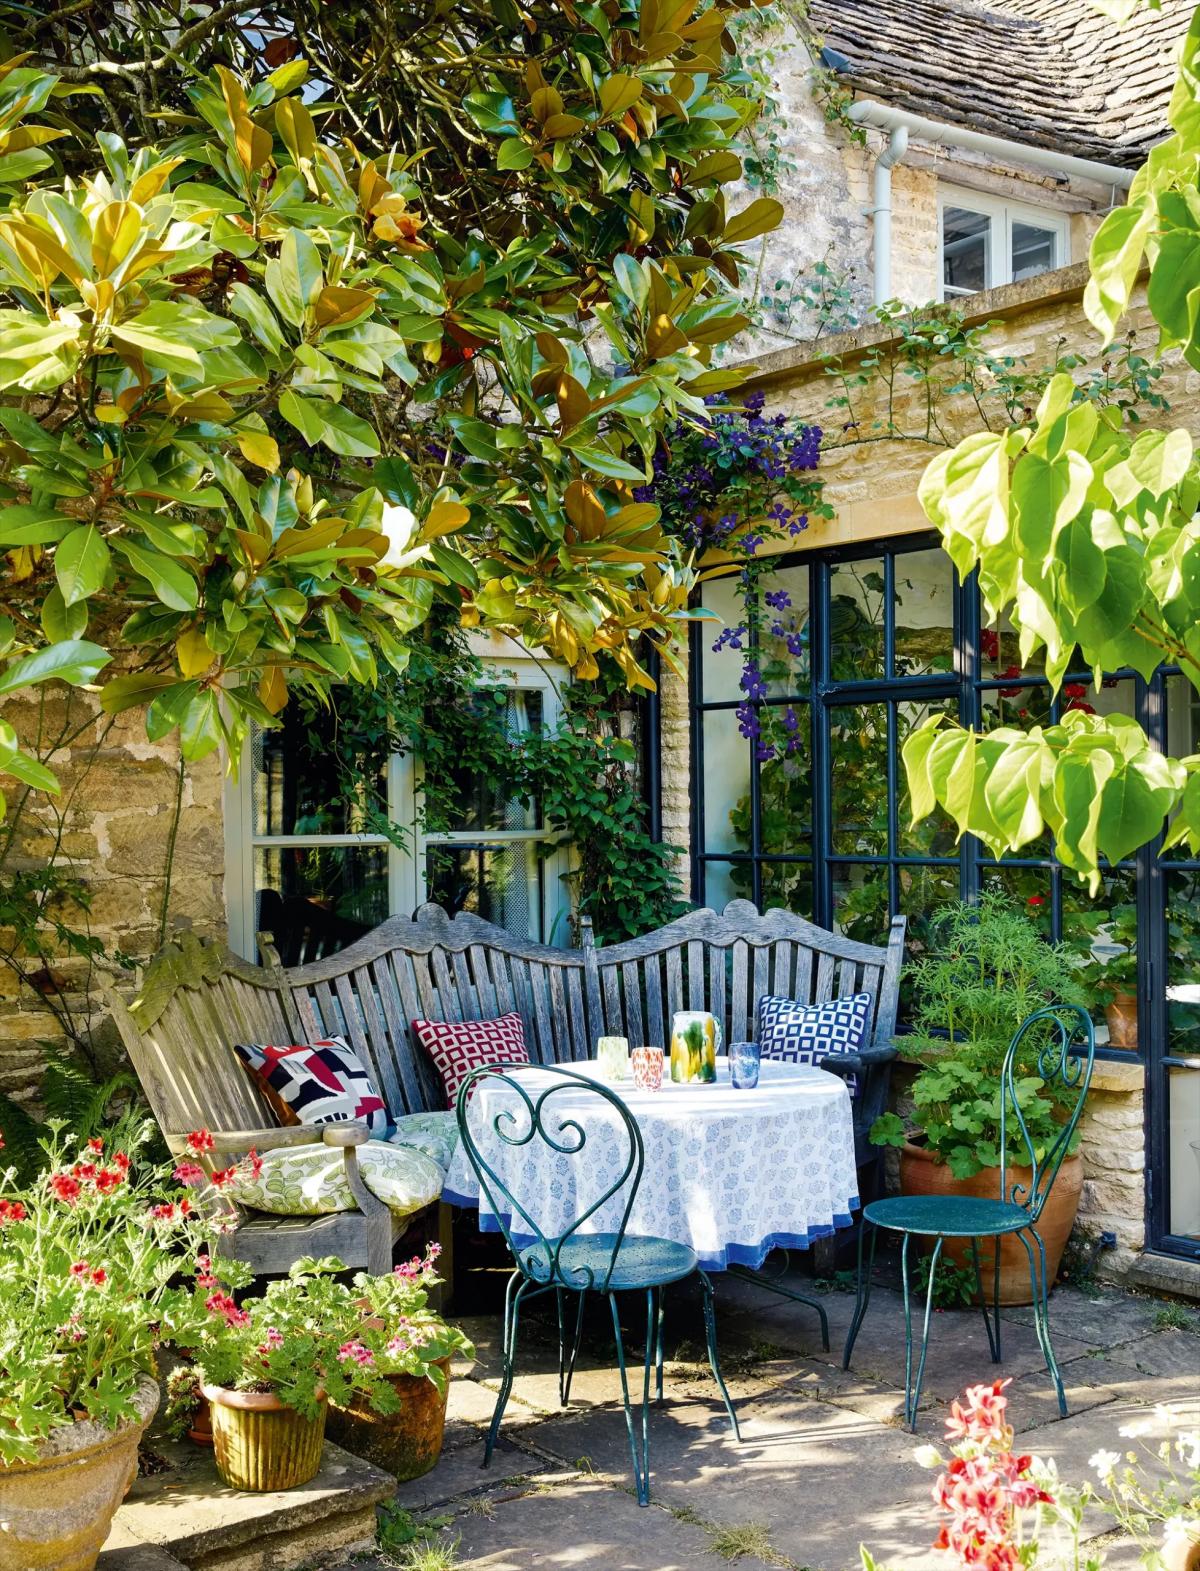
900 125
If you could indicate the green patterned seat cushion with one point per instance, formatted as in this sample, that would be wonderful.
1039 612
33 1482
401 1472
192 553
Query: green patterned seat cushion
434 1133
311 1180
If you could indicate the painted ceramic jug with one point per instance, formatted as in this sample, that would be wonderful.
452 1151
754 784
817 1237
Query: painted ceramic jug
695 1043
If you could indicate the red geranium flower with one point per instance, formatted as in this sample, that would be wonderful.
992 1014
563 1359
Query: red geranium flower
99 1276
1074 690
80 1268
107 1179
1036 900
121 1162
254 1163
65 1188
96 1146
11 1210
189 1173
162 1213
201 1140
223 1177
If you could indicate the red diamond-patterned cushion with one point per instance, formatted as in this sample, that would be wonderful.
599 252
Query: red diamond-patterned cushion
457 1049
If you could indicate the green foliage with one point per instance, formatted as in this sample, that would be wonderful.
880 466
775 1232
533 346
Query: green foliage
304 350
87 1280
953 1285
451 716
79 1108
1084 534
987 972
405 1336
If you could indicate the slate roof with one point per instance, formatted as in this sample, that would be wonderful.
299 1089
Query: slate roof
1050 73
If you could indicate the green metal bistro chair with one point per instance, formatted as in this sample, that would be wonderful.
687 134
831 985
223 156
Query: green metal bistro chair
1064 1063
577 1262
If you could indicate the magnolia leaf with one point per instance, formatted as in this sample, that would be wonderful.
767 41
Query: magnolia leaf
259 448
320 421
75 661
514 153
81 563
762 215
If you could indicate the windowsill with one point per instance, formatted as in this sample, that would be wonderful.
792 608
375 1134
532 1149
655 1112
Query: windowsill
1119 1076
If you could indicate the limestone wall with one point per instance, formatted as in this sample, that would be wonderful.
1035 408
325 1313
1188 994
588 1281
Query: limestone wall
114 825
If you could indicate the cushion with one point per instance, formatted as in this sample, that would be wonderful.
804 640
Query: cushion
322 1082
434 1133
311 1180
457 1049
798 1033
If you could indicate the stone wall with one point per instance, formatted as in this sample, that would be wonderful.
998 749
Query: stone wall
117 829
1113 1147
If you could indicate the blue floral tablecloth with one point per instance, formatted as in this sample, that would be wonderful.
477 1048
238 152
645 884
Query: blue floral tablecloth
734 1174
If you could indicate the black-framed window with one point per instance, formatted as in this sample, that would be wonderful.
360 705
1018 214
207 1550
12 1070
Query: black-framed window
855 646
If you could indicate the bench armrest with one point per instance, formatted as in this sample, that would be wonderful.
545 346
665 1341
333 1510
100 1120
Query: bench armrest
850 1063
345 1134
272 1138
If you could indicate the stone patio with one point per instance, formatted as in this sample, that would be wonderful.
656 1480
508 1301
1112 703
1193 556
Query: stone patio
824 1463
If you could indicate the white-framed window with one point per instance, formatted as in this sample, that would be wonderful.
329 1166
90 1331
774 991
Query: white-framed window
303 863
985 241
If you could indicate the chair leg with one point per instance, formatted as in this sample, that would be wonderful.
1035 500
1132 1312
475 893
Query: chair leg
862 1289
993 1336
566 1363
658 1344
710 1332
1041 1314
912 1389
760 1278
512 1310
640 1455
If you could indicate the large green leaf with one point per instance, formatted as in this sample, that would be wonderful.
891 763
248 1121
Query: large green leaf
169 579
75 661
81 563
320 421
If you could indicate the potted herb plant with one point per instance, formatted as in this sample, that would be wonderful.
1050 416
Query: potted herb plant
270 1365
411 1347
986 972
88 1253
1106 951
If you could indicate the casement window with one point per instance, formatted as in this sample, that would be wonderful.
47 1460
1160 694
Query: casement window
854 647
986 242
312 869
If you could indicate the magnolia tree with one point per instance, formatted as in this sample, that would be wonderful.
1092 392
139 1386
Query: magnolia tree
306 325
1085 535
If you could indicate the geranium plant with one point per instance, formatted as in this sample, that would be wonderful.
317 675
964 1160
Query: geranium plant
89 1256
403 1334
989 970
998 1507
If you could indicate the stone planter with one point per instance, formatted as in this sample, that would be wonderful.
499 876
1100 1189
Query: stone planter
259 1444
921 1175
406 1443
55 1513
1121 1017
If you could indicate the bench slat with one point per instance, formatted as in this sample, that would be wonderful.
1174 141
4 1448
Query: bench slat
656 1029
631 976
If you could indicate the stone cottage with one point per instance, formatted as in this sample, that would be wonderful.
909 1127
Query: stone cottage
906 173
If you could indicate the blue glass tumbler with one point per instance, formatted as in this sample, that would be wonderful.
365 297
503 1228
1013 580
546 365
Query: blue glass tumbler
744 1058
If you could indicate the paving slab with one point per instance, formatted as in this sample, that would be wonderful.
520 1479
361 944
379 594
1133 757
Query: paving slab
1101 1317
188 1512
1166 1356
461 1472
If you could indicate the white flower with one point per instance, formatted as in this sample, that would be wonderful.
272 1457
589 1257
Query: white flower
1104 1463
928 1456
1185 1529
1188 1446
1139 1426
399 524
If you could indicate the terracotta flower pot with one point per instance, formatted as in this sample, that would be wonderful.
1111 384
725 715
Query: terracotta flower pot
406 1443
55 1513
201 1431
1121 1016
261 1445
921 1175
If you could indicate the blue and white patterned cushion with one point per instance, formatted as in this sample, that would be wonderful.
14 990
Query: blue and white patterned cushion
804 1033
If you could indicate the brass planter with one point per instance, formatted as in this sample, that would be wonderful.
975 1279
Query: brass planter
55 1512
259 1444
407 1443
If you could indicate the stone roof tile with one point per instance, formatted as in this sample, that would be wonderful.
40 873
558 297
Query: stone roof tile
1049 73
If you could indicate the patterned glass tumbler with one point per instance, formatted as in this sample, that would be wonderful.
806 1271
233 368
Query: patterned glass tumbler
744 1060
612 1056
647 1068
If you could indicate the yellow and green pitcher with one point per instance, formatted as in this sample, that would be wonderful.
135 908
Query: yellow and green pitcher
695 1043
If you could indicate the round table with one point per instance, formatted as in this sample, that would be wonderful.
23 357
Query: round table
733 1174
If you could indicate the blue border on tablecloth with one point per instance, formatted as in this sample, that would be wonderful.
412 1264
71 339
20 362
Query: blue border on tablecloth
731 1254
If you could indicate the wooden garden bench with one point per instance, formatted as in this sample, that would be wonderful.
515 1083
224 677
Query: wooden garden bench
196 1000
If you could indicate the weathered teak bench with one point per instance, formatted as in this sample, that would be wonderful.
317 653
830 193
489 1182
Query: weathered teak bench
196 1000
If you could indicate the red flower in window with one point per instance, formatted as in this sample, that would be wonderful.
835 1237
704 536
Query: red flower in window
990 643
1036 900
1074 690
1010 692
1084 709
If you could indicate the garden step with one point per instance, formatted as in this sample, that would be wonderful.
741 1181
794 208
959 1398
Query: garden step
184 1519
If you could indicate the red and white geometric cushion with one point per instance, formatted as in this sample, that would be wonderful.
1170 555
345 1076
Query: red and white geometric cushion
457 1049
321 1082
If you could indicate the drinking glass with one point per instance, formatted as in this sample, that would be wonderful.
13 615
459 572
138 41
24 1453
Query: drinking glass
612 1055
744 1059
647 1068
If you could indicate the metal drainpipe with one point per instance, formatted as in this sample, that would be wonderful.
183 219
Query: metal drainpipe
881 213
